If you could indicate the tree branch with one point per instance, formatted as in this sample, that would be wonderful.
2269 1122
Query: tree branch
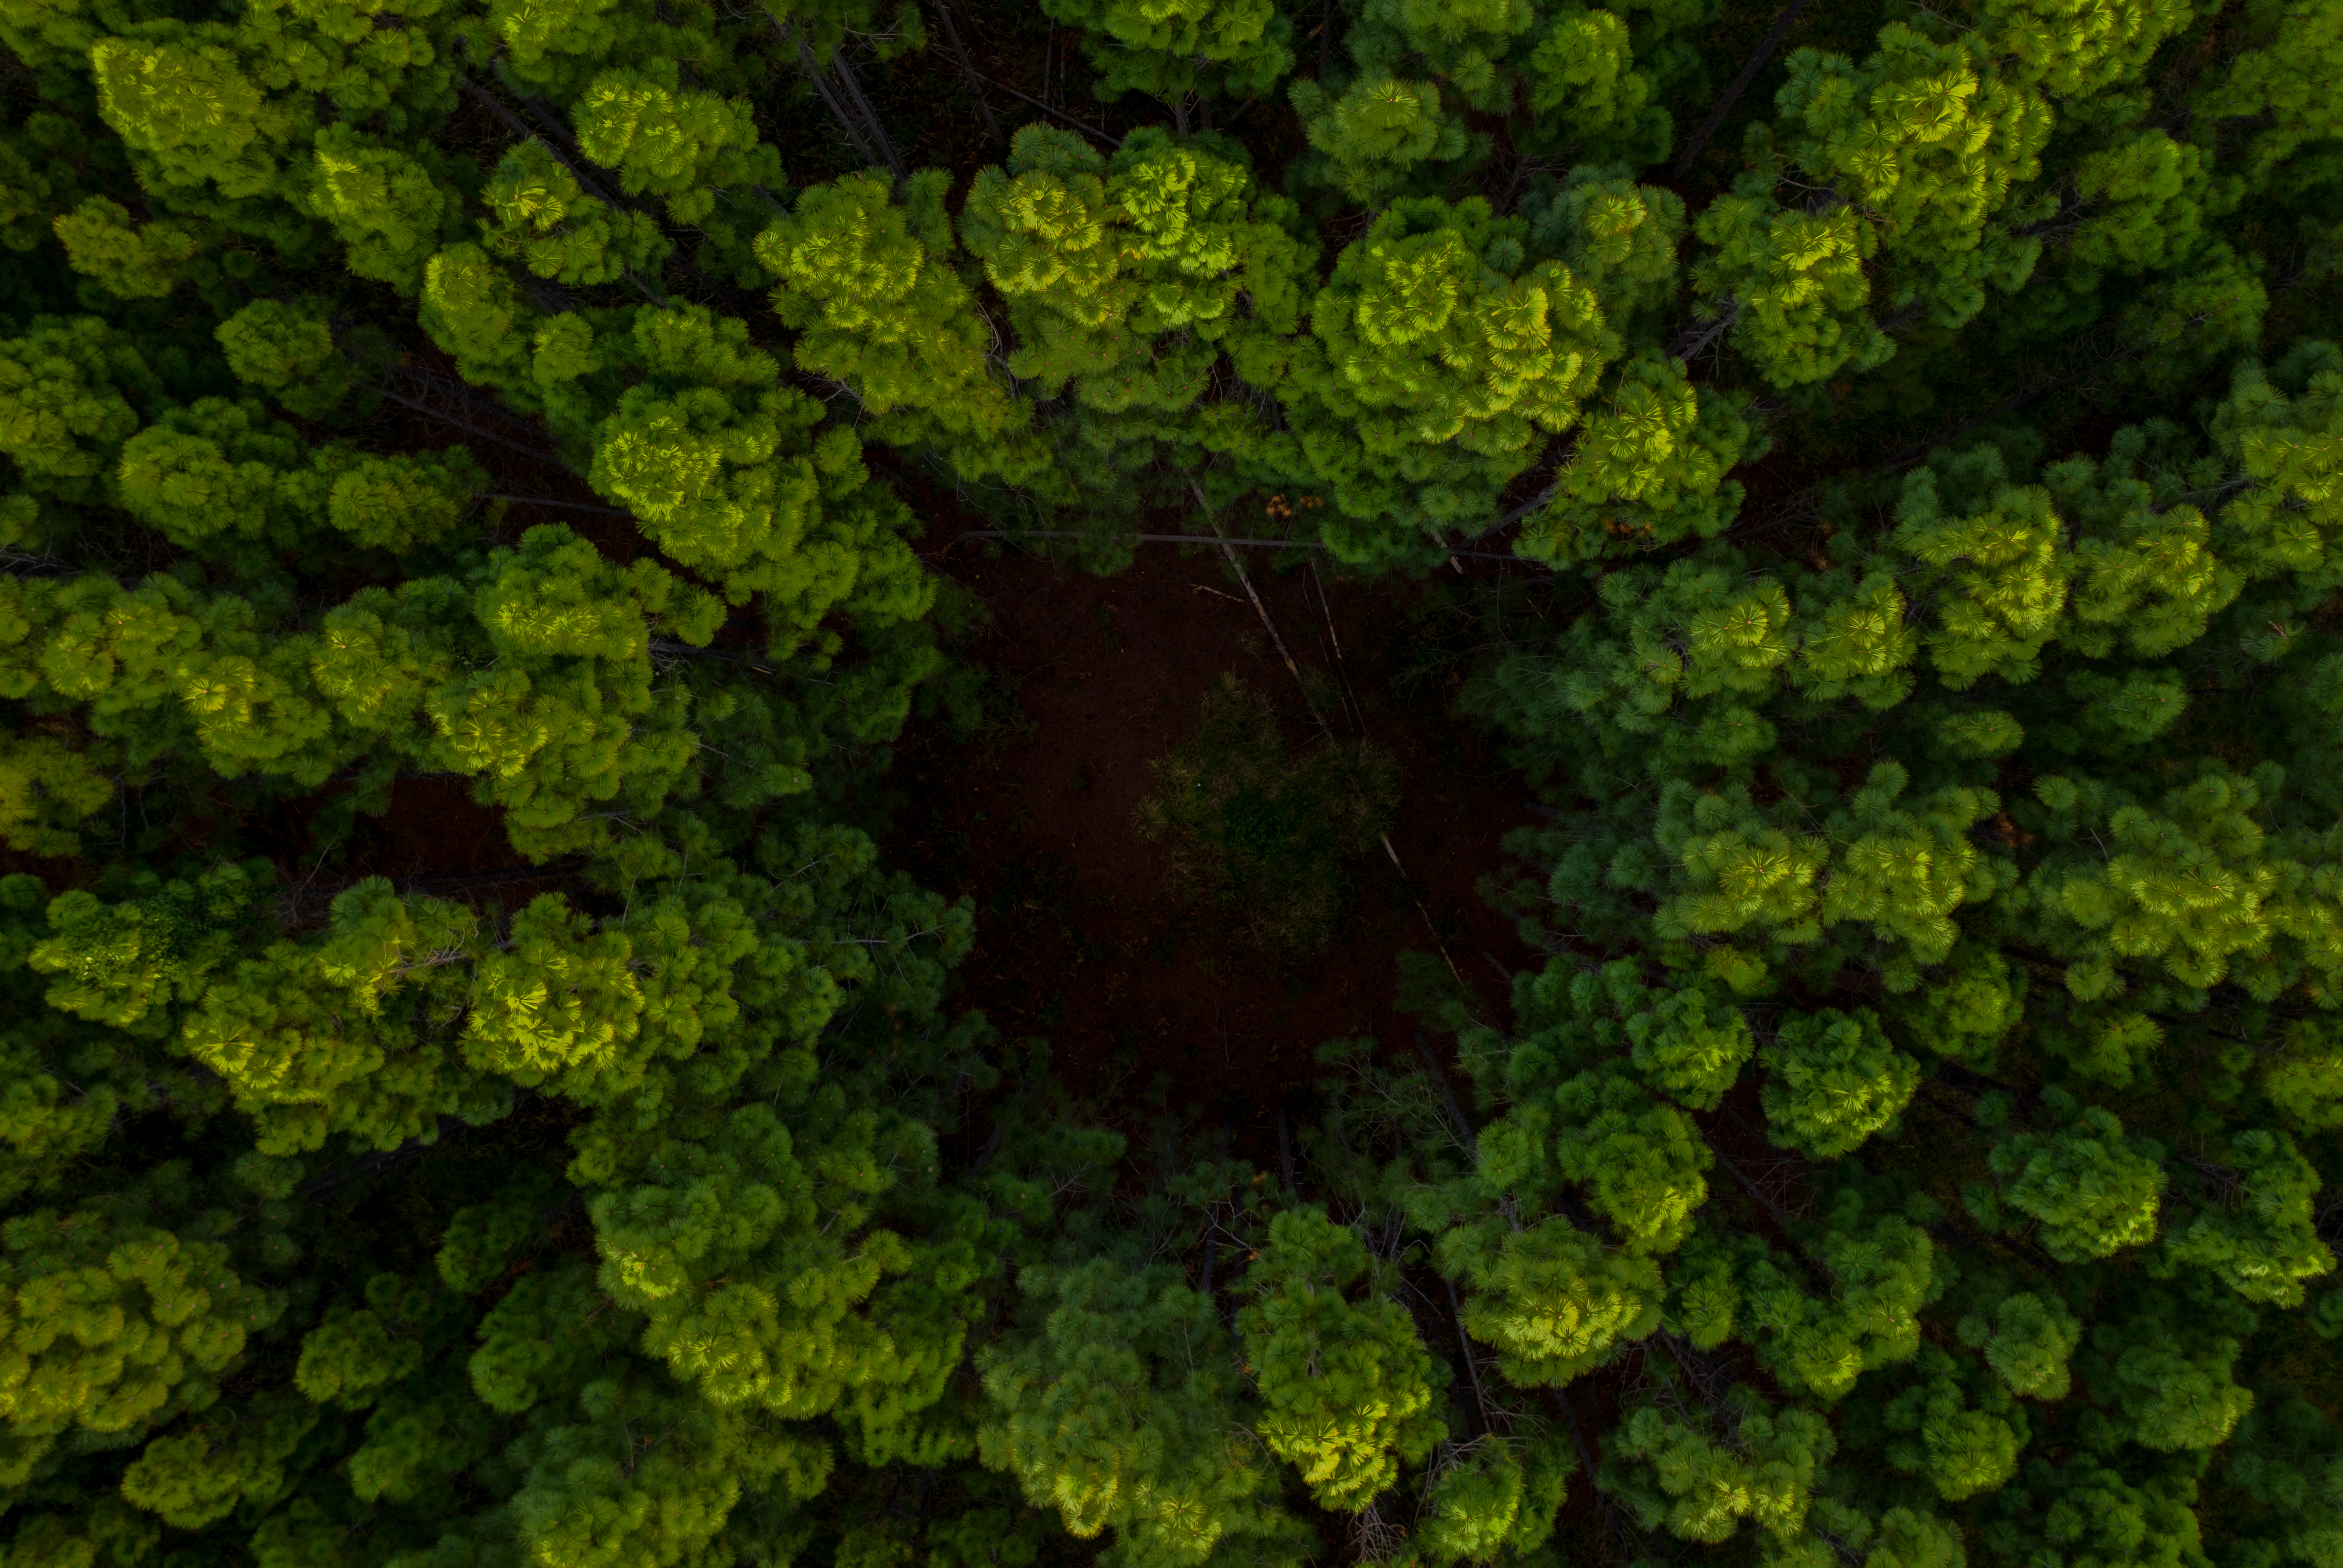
1083 126
1749 69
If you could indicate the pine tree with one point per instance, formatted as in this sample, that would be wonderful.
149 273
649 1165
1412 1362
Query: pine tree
1912 1147
866 276
1224 47
1440 361
1347 1386
1126 1410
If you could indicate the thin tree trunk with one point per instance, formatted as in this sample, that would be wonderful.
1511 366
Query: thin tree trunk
1464 1345
606 182
1447 1095
875 155
874 125
1577 1434
1315 717
1516 516
1749 69
465 424
432 885
1108 137
1688 343
1710 1378
1212 1221
967 69
550 501
828 92
329 1182
566 155
1285 1153
1342 673
2008 404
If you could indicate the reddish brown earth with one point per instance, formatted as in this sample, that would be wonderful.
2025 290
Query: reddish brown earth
1080 939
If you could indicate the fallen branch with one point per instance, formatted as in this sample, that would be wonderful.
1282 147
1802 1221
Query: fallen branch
1262 610
571 506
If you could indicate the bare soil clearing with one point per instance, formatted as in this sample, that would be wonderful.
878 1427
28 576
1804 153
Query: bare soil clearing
1080 938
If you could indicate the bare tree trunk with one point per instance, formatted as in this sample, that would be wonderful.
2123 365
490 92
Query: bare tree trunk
458 422
1464 1345
550 501
828 92
1334 637
1108 137
875 128
580 171
1285 1153
1689 342
1447 1095
967 69
1213 1223
844 98
1270 625
1749 69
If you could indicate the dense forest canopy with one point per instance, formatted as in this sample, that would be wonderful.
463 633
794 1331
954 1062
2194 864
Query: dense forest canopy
1909 442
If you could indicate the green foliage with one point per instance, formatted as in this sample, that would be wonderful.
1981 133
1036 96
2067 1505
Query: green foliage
2093 1190
1835 1082
2027 1342
289 352
47 792
1440 360
1127 1411
545 220
1794 283
116 1327
129 260
1500 1496
866 276
1347 1385
1551 1300
2255 1232
1127 281
1676 1473
1965 1440
721 465
1920 634
677 144
1370 140
1641 1159
386 205
1227 47
1649 469
1925 144
64 414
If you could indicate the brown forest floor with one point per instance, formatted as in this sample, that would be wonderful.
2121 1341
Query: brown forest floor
1080 939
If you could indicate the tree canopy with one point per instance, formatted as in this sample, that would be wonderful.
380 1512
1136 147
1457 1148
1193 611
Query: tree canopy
1913 440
